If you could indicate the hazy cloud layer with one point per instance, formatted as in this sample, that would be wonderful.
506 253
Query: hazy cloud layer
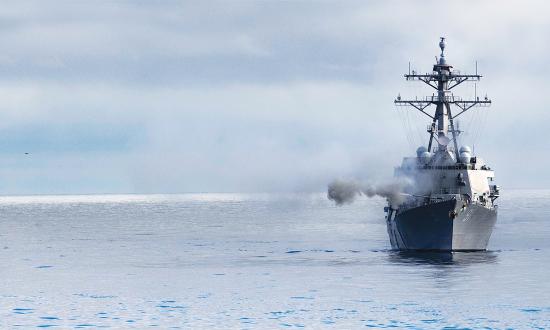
254 96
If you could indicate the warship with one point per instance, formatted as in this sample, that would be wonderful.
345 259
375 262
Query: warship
450 205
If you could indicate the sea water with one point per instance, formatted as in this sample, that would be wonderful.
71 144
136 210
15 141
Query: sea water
259 261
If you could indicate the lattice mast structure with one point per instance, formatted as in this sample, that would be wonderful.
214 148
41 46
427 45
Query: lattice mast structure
443 79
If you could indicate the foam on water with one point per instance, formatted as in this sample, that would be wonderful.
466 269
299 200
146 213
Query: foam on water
259 261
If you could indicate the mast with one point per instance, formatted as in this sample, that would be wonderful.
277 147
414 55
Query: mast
443 79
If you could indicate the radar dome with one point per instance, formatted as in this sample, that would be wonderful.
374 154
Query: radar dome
420 151
465 149
465 157
425 157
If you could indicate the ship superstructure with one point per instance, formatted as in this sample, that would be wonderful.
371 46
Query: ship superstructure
450 203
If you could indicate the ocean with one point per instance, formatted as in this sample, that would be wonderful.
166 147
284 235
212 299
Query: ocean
260 261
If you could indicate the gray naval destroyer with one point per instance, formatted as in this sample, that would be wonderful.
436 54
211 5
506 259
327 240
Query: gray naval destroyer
450 205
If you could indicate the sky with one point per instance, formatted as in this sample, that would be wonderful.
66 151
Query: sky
257 96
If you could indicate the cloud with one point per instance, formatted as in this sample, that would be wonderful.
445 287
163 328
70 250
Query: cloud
246 96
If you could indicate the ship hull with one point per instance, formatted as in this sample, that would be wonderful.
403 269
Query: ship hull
435 227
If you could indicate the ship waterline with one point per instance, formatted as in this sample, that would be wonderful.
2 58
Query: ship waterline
443 226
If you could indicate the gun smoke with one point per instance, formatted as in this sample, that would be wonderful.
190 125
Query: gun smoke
345 191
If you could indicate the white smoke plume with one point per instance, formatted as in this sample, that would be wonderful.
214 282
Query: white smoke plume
345 191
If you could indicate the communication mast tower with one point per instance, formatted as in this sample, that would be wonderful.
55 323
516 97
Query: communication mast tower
443 79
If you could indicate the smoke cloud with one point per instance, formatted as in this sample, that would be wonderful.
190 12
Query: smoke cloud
345 191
